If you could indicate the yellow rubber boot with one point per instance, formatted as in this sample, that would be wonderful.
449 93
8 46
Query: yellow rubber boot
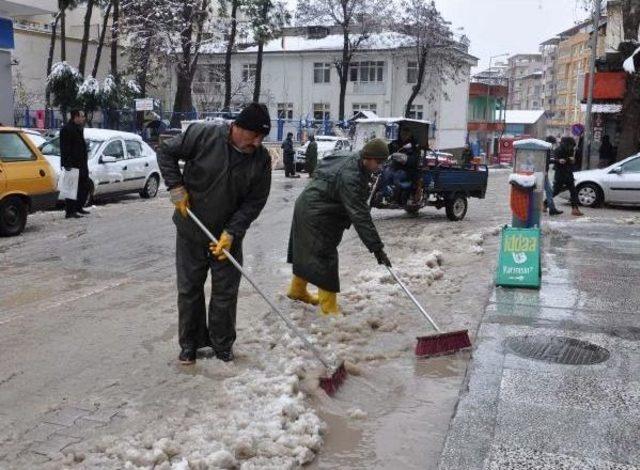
298 291
328 302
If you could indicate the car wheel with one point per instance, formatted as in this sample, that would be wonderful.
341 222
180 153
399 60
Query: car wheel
150 189
590 195
13 216
456 207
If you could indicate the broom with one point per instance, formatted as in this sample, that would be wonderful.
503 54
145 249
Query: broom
440 343
330 383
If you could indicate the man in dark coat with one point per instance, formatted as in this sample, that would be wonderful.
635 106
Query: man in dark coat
311 156
289 156
335 199
73 154
563 178
405 171
226 183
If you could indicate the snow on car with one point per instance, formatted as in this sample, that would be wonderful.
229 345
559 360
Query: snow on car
119 163
615 184
327 144
34 136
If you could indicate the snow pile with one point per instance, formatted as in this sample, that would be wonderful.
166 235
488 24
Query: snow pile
134 88
90 86
628 221
523 181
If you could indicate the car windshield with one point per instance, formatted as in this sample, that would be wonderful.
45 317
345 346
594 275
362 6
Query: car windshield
53 147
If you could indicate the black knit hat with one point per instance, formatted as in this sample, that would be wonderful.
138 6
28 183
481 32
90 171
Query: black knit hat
376 148
255 117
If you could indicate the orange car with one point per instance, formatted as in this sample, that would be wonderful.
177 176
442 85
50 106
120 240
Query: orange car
27 181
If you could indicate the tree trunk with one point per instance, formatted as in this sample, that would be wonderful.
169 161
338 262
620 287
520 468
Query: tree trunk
115 26
63 34
630 133
103 34
258 84
183 101
85 37
52 48
227 61
418 86
343 73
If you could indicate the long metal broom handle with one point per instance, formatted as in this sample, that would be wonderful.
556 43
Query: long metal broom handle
289 323
415 301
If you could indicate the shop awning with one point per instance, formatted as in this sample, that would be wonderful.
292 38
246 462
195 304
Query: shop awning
603 108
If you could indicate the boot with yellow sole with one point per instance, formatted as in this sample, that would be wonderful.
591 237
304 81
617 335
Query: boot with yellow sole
328 303
298 291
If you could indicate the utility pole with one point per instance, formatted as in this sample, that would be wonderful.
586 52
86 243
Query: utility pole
588 131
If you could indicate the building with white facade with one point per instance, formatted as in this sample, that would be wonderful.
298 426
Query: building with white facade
300 81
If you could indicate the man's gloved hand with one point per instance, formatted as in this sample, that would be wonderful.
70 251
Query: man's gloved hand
382 258
224 243
180 199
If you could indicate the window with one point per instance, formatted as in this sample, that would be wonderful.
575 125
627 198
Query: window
321 111
114 149
357 107
416 111
248 72
321 72
134 149
632 166
285 110
366 71
13 148
412 72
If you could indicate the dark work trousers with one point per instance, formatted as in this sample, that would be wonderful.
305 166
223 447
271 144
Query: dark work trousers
72 206
193 262
564 182
289 166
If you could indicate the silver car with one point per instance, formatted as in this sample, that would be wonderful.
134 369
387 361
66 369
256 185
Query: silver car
615 184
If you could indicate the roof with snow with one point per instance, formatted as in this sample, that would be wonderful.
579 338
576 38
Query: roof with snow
523 116
106 134
533 144
391 120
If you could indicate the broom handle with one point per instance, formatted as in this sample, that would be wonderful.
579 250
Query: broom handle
415 301
282 316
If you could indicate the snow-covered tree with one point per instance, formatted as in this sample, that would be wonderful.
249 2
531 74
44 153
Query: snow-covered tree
439 57
89 97
229 11
267 19
63 83
357 19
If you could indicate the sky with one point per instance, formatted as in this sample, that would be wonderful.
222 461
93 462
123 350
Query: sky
508 26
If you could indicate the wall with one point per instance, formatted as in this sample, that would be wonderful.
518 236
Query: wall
6 97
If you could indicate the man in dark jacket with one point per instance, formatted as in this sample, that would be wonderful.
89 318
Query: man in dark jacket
405 171
311 156
73 154
226 183
563 179
335 199
289 156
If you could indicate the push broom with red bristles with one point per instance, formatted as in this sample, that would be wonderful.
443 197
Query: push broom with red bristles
438 344
331 382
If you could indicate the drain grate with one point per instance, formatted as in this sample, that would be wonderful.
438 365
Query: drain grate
557 349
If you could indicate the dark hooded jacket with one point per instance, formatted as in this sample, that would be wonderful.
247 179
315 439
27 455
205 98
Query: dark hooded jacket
565 151
227 190
335 199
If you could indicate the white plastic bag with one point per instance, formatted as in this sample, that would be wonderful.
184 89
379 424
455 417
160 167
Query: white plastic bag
68 184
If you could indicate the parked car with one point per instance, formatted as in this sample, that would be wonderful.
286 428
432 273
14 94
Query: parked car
615 184
119 163
327 144
27 181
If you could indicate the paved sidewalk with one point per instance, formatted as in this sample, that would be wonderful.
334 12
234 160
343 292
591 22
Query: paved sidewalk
522 413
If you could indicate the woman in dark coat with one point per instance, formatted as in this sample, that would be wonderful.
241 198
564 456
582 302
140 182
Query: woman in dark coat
563 179
311 156
335 199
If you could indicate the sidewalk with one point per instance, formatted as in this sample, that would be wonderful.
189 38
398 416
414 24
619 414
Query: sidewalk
522 413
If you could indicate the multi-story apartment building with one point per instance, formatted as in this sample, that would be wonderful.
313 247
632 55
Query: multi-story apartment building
520 68
548 50
531 92
300 82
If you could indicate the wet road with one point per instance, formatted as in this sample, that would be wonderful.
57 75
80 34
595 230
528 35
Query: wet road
88 321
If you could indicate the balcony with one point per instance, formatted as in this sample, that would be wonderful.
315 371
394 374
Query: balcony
13 8
368 88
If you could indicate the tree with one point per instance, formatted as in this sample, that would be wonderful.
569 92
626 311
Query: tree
103 34
630 133
52 48
357 19
63 84
232 30
85 37
115 31
438 56
267 20
89 97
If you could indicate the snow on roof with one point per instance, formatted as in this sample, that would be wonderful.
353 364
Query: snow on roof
106 134
518 116
332 42
392 120
532 143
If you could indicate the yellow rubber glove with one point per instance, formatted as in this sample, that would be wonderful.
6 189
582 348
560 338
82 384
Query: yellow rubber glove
180 199
224 243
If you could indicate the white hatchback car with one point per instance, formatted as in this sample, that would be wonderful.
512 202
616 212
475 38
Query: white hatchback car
119 163
615 184
327 144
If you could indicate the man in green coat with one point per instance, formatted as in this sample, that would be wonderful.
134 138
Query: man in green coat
311 156
335 199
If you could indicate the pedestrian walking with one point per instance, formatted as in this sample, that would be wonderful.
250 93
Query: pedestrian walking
548 190
563 179
226 183
289 157
335 199
73 154
311 156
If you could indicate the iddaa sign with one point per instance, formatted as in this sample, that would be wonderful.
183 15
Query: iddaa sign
519 261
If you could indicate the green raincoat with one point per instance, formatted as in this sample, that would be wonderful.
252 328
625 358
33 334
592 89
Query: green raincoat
335 199
311 157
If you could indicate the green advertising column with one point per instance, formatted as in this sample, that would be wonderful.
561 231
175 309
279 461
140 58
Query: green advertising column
519 260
